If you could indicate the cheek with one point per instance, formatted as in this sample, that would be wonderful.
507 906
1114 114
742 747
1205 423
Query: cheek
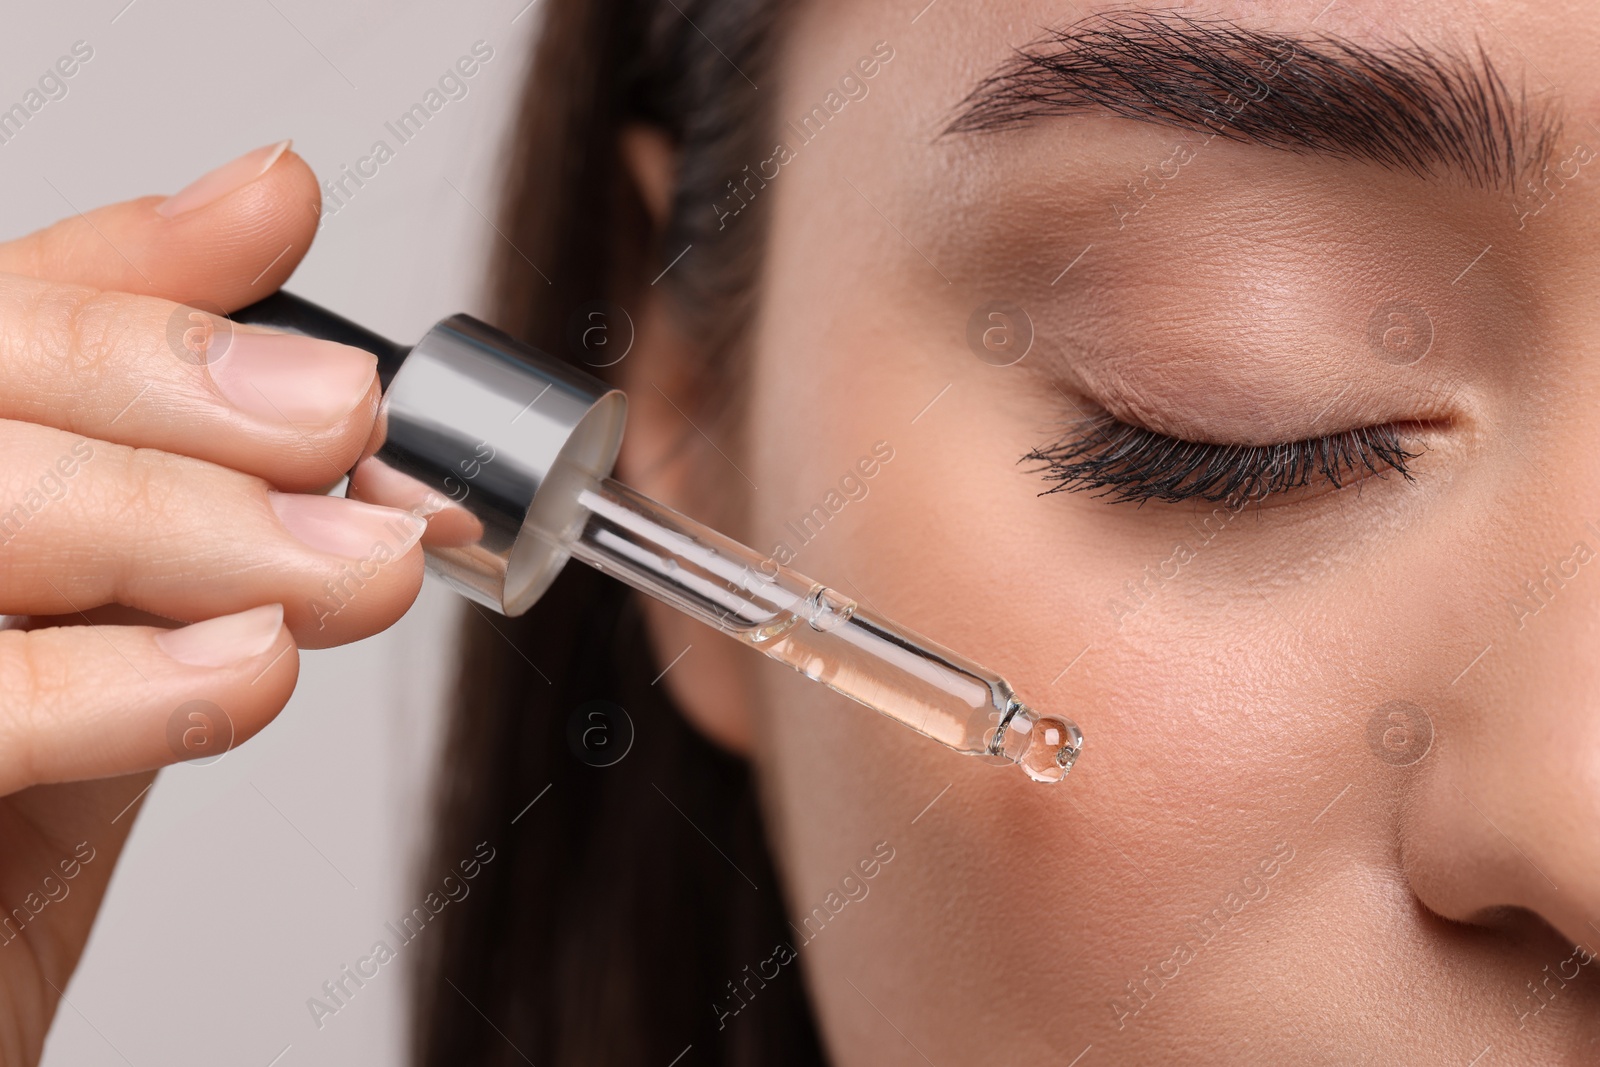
1206 657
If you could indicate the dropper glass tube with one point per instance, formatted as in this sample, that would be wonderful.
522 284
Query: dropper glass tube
816 630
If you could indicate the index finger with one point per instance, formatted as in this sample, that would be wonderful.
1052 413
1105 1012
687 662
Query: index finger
229 239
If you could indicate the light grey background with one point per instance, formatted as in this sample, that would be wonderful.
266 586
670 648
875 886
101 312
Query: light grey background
248 883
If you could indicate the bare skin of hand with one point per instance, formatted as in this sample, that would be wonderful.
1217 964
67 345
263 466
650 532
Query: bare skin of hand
155 477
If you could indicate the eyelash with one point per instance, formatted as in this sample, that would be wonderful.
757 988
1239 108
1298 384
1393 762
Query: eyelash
1114 459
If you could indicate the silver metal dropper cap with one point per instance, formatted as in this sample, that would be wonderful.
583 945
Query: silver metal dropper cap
476 433
472 429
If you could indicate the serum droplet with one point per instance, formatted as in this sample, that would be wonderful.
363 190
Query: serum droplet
1055 747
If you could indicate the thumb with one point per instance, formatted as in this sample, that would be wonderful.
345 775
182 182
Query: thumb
229 238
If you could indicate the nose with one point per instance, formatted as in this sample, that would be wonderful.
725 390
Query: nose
1504 811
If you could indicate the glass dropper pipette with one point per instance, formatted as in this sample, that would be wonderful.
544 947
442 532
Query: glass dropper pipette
816 630
507 453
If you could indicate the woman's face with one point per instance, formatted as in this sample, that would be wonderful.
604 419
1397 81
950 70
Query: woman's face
1340 795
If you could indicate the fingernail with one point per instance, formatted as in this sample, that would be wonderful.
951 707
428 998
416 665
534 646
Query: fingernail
290 378
349 528
230 639
213 186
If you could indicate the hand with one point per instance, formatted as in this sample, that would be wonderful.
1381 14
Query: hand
156 468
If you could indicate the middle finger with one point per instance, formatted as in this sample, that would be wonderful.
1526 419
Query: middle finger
86 523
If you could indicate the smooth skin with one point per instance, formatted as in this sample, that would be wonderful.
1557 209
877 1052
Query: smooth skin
1249 864
169 521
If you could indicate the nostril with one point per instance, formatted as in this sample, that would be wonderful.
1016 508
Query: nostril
1500 853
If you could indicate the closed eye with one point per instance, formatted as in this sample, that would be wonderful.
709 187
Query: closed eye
1107 457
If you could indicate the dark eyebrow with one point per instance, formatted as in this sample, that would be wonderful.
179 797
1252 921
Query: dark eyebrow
1400 106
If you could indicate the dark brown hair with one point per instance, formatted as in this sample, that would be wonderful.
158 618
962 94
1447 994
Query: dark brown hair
607 928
